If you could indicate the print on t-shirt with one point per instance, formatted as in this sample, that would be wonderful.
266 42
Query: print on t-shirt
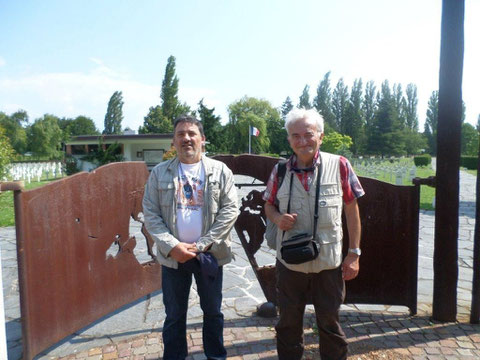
190 193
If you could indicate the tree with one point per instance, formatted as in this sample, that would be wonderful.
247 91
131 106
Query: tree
20 117
155 122
399 104
410 108
45 136
469 140
6 153
277 134
246 112
169 91
386 137
114 115
339 103
83 125
304 100
369 108
105 154
335 142
286 107
354 118
431 123
323 102
171 107
160 118
12 125
212 129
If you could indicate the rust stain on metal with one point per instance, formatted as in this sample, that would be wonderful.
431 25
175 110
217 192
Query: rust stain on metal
64 230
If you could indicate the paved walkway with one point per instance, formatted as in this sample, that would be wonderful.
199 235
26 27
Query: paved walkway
134 332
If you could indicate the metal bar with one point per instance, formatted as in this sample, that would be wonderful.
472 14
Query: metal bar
11 186
445 258
475 308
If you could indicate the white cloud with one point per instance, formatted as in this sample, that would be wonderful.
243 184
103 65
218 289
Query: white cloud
77 93
2 61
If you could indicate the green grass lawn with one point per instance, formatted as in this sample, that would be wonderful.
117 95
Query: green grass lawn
472 172
427 193
7 215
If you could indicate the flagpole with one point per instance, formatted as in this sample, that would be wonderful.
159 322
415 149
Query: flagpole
249 139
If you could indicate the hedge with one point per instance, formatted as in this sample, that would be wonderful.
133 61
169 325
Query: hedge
469 162
422 160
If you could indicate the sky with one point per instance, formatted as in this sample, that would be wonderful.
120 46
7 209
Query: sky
67 58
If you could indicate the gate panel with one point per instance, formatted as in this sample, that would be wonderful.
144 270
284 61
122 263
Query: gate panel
390 219
64 230
389 261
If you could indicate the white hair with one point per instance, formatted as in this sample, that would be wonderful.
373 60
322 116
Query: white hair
310 115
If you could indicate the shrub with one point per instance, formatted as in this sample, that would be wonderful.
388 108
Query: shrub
71 166
170 154
422 160
469 162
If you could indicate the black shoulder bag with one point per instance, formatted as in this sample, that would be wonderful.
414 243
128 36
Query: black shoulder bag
302 247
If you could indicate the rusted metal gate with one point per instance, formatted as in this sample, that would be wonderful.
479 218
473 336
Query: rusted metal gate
390 219
64 230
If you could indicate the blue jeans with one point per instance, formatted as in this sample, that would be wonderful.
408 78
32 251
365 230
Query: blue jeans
176 285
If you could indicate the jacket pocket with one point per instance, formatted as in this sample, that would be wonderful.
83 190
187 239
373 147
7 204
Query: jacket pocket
166 191
214 196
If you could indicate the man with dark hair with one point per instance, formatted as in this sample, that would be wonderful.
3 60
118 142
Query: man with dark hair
190 206
290 205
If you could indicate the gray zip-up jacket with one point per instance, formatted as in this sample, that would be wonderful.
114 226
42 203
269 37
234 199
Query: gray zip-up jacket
220 210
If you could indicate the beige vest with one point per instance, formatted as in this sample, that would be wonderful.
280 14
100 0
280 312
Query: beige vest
329 227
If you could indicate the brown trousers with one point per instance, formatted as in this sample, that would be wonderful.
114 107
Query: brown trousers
326 291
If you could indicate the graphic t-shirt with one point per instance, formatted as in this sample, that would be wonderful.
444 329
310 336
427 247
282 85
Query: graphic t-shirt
191 179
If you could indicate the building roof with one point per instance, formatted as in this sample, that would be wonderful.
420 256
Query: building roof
122 137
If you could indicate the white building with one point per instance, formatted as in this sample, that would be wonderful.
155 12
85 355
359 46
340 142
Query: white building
142 147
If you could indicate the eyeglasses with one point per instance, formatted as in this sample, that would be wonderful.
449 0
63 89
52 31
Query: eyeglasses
297 170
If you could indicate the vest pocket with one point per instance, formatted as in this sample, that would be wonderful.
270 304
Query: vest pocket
329 189
296 204
329 211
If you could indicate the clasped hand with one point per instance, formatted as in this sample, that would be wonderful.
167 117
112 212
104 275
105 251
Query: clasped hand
183 252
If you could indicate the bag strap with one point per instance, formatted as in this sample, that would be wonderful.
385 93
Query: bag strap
317 194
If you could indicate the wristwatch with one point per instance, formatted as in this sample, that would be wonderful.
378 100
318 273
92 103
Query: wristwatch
355 251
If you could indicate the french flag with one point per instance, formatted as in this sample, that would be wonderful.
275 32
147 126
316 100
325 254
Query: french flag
254 131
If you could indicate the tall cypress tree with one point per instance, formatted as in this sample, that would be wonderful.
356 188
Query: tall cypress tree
155 122
169 91
431 122
399 104
410 110
354 118
114 115
304 100
212 129
286 107
339 104
323 102
369 106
